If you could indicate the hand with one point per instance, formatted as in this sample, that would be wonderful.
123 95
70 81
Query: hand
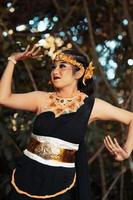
33 53
115 149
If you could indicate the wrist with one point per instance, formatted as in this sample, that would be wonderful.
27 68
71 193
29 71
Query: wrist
12 59
127 148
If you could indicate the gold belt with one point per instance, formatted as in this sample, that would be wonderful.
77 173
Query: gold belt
51 152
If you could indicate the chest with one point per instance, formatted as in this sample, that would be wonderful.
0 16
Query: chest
69 126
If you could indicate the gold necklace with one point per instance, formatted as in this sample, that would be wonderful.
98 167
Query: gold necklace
65 100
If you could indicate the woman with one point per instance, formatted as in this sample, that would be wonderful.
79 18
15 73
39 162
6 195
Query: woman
54 165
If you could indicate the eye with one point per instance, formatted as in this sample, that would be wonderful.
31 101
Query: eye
62 65
53 66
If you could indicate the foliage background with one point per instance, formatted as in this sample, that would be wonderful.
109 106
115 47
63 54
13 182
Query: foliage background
101 30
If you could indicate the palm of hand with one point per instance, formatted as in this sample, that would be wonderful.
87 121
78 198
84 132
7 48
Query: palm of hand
122 155
27 53
115 149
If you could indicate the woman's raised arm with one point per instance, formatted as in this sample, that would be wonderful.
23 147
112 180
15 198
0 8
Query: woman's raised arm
27 101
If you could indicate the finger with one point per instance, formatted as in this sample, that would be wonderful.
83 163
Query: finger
109 139
122 151
36 52
118 146
24 54
112 148
114 153
34 48
108 142
27 48
108 147
29 53
116 143
38 56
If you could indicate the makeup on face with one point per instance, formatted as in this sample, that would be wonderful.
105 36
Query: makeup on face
60 65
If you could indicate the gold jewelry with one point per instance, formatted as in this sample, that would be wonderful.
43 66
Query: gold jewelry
12 59
88 72
65 100
65 105
49 82
68 58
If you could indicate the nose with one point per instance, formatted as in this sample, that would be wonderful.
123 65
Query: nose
56 71
55 68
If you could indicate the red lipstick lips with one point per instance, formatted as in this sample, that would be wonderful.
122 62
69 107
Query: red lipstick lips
56 77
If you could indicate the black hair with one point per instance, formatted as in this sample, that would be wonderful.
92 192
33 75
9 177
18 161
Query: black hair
89 87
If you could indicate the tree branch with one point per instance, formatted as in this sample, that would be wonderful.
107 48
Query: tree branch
94 53
123 170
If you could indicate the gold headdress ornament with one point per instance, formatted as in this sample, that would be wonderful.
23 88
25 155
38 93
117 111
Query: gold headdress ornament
89 71
67 58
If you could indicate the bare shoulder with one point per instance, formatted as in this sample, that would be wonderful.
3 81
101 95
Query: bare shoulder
41 95
43 99
100 102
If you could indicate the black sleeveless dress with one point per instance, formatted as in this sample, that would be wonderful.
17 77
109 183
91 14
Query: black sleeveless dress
34 180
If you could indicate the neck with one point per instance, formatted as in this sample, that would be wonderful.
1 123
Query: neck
67 92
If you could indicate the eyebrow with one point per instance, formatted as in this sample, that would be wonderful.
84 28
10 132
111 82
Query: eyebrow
62 62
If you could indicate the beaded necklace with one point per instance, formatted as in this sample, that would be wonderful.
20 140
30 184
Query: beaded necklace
65 100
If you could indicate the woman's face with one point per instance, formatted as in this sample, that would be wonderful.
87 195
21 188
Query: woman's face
62 74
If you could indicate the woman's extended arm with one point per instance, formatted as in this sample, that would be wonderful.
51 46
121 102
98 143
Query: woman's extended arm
26 101
105 111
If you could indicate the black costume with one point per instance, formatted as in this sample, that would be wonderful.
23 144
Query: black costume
37 179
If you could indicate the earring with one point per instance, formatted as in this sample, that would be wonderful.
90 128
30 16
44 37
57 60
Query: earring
49 83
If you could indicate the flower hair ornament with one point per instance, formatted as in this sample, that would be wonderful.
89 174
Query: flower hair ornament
89 71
